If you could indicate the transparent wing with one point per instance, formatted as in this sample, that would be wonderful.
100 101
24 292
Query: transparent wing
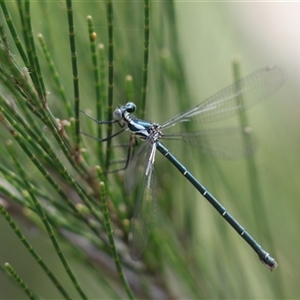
144 212
228 143
136 166
233 99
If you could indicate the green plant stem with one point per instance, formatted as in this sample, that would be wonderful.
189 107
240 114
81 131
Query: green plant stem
4 38
43 114
110 78
109 232
35 255
146 55
93 36
45 221
60 88
103 80
30 136
27 31
258 204
14 33
56 187
18 279
74 71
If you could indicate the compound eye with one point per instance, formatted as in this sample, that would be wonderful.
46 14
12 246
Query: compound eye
117 114
130 107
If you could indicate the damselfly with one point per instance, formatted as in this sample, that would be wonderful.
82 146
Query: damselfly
140 171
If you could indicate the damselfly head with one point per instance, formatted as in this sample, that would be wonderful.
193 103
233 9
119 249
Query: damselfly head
119 112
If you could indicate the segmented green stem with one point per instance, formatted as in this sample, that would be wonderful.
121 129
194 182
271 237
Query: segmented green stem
10 270
103 79
109 232
103 89
43 115
14 33
110 78
45 221
74 70
60 88
258 206
4 38
35 255
146 55
34 68
31 137
57 188
99 101
17 198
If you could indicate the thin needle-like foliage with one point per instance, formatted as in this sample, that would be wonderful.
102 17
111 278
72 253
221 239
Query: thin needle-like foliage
62 192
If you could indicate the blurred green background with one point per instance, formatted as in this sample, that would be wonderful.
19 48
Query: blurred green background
210 37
